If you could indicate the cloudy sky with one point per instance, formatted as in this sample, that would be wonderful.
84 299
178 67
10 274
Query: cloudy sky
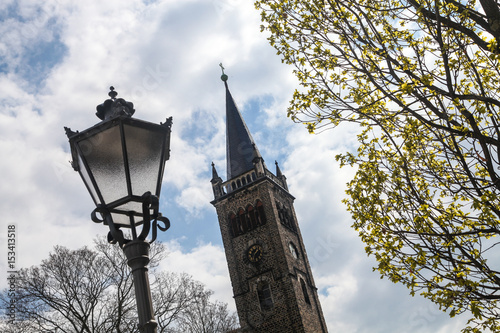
57 61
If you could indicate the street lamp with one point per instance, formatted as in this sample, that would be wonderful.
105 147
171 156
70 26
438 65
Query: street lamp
121 161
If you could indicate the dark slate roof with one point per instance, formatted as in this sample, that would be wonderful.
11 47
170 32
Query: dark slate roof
240 147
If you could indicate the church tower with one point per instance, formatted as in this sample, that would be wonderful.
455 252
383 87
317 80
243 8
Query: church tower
270 274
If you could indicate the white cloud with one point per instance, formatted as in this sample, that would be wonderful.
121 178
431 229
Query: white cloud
341 288
206 263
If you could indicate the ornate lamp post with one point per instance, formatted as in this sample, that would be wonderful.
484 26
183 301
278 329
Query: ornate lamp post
121 161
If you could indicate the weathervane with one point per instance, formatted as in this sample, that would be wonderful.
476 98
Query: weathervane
223 76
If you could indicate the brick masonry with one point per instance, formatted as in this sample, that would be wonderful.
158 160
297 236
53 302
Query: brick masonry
295 304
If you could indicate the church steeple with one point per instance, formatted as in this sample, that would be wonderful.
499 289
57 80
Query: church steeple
241 151
271 278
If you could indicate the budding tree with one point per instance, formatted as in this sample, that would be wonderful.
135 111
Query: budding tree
421 78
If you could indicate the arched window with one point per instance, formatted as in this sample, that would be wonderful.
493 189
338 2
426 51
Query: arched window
243 221
251 217
285 216
247 220
233 225
304 291
280 211
261 215
265 296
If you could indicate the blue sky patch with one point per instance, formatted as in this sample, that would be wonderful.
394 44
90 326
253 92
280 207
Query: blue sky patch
39 59
31 44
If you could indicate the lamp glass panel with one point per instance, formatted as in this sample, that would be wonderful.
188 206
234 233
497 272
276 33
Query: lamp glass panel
130 206
120 219
104 155
86 179
144 149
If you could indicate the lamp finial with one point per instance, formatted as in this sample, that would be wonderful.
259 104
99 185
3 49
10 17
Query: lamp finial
112 93
114 107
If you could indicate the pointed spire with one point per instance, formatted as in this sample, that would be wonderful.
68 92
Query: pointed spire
216 183
240 147
215 176
281 176
278 170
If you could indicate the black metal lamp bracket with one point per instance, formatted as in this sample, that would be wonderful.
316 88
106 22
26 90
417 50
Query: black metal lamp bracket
151 215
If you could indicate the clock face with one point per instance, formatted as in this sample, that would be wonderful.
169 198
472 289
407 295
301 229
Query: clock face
255 253
293 250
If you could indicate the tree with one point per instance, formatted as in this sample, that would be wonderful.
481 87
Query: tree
88 290
420 80
207 317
